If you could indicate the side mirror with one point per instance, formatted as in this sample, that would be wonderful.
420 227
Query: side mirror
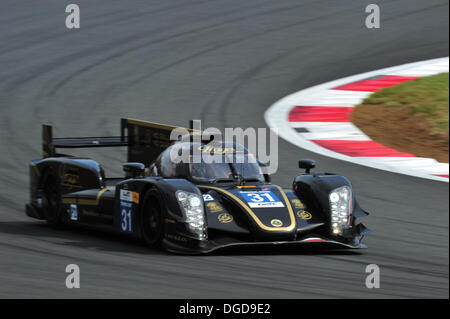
133 169
306 164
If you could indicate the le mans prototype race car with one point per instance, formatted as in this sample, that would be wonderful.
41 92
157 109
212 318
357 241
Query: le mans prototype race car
190 208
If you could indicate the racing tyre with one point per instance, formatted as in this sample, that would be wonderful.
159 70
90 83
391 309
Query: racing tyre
152 219
52 201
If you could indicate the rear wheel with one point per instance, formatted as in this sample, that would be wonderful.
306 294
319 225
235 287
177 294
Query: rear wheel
152 219
52 201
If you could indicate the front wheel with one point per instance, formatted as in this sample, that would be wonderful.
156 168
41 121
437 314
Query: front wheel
152 219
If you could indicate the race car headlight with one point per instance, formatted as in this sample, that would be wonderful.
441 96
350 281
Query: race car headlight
341 207
192 206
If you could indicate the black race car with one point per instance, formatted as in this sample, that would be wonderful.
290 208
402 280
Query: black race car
190 207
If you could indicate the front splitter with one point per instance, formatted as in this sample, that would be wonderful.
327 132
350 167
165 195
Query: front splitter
211 246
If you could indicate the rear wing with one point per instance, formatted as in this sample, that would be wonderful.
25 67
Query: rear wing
145 140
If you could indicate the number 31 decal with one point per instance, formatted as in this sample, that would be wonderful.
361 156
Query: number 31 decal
260 198
125 219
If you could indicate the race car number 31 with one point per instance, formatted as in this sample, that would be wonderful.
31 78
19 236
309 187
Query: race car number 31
261 199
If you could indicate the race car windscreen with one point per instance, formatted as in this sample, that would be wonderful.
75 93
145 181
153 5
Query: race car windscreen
226 171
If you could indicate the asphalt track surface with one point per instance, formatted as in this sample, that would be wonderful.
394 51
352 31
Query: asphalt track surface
224 62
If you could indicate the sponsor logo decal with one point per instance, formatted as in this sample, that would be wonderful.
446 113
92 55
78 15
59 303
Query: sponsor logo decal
69 176
70 180
177 237
207 197
73 212
213 207
303 214
126 195
297 203
135 196
218 150
129 196
276 223
225 218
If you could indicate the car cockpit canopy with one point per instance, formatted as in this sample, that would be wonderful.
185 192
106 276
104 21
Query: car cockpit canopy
212 162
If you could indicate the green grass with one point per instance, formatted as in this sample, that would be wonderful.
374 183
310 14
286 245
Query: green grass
425 98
